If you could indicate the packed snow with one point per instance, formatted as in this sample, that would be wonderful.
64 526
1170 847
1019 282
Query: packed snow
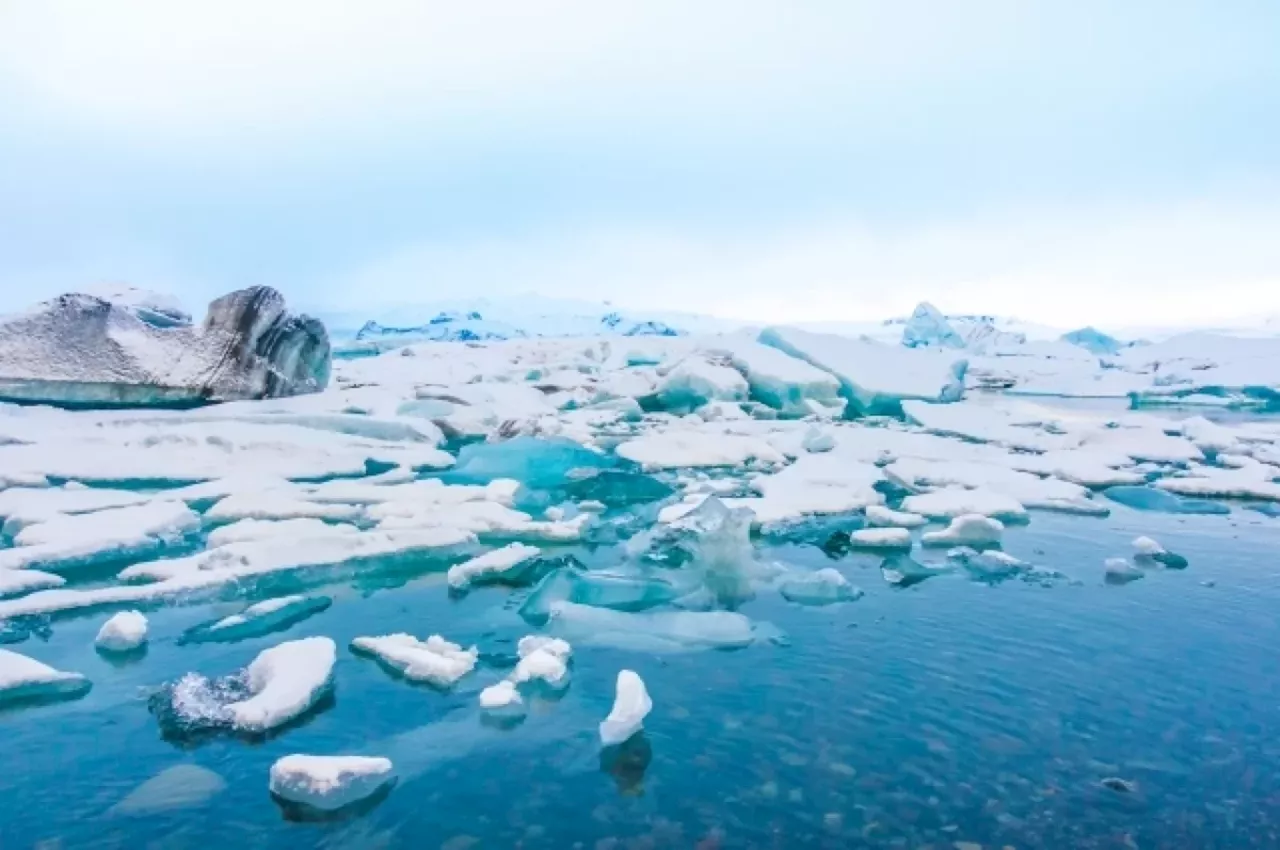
23 678
328 783
284 682
434 661
124 632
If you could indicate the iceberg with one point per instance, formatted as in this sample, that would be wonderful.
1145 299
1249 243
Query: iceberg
284 682
875 378
1121 571
261 618
695 381
973 530
821 587
631 705
502 702
927 326
434 661
545 665
1093 340
603 589
784 383
615 488
157 309
903 571
328 783
124 632
990 565
537 463
83 351
952 502
24 680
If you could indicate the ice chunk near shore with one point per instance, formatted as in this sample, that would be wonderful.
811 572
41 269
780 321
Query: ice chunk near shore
1121 571
434 661
880 516
1146 549
875 378
19 582
182 786
24 679
500 565
124 632
631 705
953 502
821 587
284 682
973 530
329 783
261 618
880 538
542 665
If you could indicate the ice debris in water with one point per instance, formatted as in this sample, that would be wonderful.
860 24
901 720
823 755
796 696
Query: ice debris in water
538 463
530 644
181 786
655 631
631 705
545 665
966 530
502 700
880 538
904 571
716 539
506 565
24 679
1146 549
616 488
124 632
821 587
988 565
328 783
434 661
817 441
1121 571
261 618
284 682
619 591
1151 499
880 516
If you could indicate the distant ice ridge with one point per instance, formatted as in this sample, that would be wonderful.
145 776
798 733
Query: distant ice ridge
133 350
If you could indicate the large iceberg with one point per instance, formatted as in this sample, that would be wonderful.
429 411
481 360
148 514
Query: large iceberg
86 351
875 378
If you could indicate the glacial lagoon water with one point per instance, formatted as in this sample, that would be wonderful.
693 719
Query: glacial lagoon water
950 713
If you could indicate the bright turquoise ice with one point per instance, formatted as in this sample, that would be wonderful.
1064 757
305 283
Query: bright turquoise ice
947 711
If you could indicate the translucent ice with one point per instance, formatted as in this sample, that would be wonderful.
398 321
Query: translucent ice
537 463
435 661
784 383
261 618
24 679
124 632
696 380
328 783
989 565
618 591
904 571
1093 340
182 786
507 565
821 587
1151 499
1121 571
631 705
927 326
615 488
663 631
284 682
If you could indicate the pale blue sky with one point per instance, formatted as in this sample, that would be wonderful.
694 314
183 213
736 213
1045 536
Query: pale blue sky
1064 162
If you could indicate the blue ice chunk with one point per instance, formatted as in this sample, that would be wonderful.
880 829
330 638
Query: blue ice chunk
616 488
616 591
905 571
540 464
263 618
927 326
1151 499
821 587
1093 340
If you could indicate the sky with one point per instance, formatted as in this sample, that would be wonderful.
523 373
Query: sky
832 160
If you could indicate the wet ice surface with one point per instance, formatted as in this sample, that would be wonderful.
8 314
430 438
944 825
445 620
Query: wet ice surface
806 691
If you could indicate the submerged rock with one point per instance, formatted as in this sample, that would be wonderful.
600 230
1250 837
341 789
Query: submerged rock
86 351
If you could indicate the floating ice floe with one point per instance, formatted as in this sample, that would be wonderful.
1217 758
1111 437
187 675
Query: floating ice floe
259 619
697 380
500 565
966 530
904 571
880 538
1146 549
24 679
784 383
1121 571
821 587
68 542
278 506
23 506
434 661
1152 499
284 682
880 516
989 564
329 783
542 665
22 581
631 705
954 502
660 631
124 632
686 448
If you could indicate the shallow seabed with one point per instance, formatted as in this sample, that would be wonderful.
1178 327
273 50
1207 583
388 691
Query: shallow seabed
944 713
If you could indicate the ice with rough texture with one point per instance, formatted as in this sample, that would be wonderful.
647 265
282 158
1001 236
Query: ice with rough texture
502 699
631 705
1093 340
988 565
787 384
82 350
284 682
880 538
604 589
24 679
966 530
697 380
883 517
124 632
434 661
927 326
952 502
875 378
821 587
1146 549
19 582
501 565
542 665
1152 499
329 783
66 542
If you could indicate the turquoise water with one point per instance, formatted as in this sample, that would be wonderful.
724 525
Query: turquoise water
950 711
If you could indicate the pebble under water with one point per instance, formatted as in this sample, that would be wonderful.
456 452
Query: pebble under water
948 714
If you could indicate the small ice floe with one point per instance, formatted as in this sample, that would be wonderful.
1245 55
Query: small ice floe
502 699
1146 549
905 571
822 587
284 682
182 786
259 619
24 679
966 530
989 565
329 783
652 631
544 662
951 502
1121 571
434 661
19 582
882 517
124 632
496 566
1151 499
530 644
631 705
880 538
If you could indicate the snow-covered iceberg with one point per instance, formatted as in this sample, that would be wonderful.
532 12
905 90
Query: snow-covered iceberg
284 682
85 351
329 783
